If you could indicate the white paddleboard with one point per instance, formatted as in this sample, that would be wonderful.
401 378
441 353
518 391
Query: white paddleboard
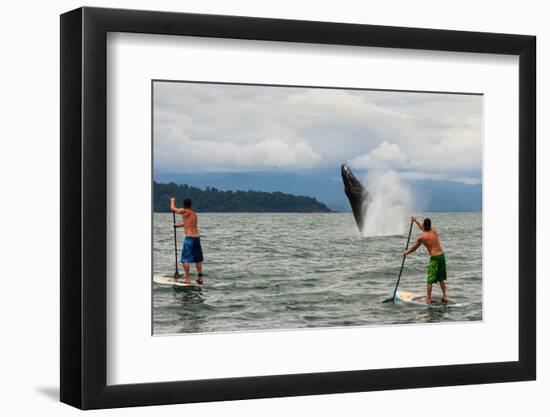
171 282
420 299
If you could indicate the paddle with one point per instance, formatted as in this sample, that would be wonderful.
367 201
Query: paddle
176 274
392 299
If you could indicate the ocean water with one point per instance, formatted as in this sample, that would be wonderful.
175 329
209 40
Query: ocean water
273 271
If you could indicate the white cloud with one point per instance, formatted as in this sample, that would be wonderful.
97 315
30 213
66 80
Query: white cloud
207 155
385 156
444 162
232 127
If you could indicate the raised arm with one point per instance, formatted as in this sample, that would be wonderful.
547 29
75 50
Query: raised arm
173 207
415 247
420 225
176 210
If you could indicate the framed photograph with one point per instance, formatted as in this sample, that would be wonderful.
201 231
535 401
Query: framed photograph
259 207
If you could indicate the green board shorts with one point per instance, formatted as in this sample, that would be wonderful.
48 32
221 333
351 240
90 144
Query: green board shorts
437 270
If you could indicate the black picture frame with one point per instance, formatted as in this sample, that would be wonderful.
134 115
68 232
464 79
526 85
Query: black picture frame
84 207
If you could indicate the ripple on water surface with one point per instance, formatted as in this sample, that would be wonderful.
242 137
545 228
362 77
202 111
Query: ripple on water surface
268 271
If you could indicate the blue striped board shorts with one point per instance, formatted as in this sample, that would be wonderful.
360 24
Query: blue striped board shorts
191 251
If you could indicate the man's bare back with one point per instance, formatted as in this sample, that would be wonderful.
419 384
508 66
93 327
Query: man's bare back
430 239
190 222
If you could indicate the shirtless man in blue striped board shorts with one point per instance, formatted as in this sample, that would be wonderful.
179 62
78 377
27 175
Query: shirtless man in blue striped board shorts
191 251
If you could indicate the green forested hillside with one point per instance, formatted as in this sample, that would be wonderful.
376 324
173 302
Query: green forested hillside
214 200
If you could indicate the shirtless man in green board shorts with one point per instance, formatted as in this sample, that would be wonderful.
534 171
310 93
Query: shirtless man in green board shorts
437 270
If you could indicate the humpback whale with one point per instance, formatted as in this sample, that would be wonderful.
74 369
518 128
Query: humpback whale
357 194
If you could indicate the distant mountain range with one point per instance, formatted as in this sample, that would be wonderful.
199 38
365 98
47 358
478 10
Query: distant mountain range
325 185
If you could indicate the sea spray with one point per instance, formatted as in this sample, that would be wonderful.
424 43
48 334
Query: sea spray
386 213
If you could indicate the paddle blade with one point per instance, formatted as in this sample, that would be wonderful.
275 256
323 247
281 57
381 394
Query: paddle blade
388 300
176 275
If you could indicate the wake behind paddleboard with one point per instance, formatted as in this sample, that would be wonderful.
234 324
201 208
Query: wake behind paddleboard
162 281
419 299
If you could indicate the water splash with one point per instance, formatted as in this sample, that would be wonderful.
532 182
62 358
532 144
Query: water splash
386 213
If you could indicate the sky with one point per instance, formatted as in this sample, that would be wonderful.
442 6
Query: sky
239 128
